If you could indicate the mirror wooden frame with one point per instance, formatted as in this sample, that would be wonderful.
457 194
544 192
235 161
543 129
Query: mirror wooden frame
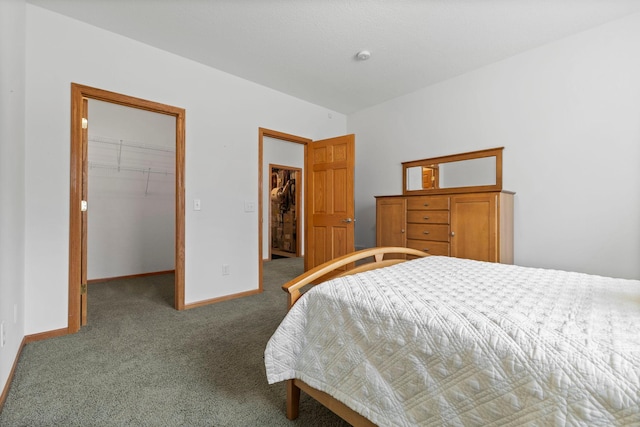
491 152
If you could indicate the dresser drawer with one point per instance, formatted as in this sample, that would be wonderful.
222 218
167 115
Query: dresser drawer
428 217
430 247
439 232
428 203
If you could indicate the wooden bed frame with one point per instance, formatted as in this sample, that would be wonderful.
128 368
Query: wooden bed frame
342 266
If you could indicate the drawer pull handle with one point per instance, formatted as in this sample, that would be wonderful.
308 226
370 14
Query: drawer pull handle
453 234
425 250
425 232
426 204
426 218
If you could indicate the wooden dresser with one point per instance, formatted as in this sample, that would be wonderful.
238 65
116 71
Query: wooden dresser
465 225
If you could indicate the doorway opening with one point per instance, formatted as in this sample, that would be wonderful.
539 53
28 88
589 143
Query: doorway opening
80 95
131 192
284 211
292 151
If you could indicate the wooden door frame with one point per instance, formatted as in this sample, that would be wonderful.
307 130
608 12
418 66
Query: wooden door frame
78 94
299 202
262 133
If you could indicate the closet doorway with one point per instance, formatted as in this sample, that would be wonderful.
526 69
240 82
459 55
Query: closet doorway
131 192
284 211
140 170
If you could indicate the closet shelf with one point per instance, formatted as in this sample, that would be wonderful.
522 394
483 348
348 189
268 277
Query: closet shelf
95 165
131 144
118 145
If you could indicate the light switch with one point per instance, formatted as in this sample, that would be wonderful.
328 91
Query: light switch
249 206
196 204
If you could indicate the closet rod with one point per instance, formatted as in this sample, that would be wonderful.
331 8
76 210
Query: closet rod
94 165
133 144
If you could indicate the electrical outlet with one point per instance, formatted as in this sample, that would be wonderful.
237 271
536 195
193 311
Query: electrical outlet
3 335
225 269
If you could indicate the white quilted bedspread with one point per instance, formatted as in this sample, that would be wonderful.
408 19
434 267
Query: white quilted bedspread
445 341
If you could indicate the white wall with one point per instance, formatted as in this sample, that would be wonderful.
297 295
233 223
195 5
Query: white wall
282 153
131 216
568 115
223 114
12 167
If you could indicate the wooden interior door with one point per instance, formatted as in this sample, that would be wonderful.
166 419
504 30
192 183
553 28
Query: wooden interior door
329 200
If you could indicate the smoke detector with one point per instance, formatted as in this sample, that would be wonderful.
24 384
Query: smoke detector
363 55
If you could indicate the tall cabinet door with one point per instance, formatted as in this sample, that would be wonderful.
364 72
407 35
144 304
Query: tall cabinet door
391 221
474 227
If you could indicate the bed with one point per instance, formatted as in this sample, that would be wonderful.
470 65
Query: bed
447 341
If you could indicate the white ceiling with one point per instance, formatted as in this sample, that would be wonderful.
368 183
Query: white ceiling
306 48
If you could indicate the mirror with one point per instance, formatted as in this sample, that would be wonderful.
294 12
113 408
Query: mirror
473 171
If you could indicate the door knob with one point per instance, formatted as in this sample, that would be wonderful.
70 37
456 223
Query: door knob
348 220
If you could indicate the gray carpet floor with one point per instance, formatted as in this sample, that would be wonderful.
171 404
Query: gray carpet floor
139 362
